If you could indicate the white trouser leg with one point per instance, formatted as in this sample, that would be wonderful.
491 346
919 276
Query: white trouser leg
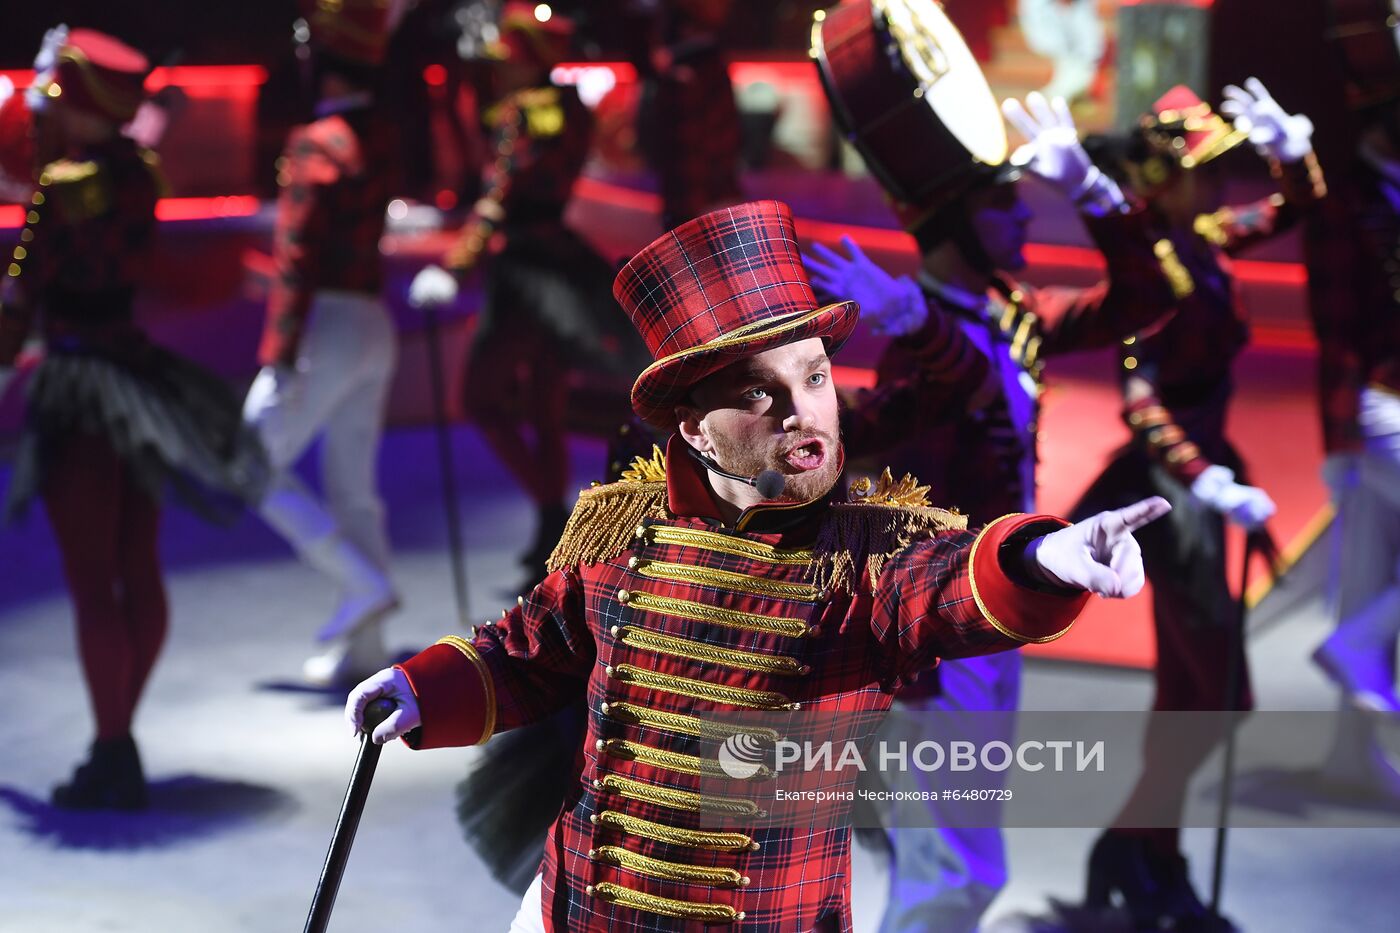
530 918
347 346
1366 574
945 878
350 448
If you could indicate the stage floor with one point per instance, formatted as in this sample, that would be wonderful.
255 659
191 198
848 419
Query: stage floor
249 770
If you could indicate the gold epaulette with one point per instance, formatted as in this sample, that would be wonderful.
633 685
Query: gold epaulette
605 519
880 520
544 116
76 190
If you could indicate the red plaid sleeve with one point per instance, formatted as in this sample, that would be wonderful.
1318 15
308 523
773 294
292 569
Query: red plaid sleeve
951 596
1134 295
516 671
306 173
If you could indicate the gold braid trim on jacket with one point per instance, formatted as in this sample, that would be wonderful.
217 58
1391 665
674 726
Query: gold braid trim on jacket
606 518
883 518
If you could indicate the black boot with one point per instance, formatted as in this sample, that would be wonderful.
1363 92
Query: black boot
1154 888
111 779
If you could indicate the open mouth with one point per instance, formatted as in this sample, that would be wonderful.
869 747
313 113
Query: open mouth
807 456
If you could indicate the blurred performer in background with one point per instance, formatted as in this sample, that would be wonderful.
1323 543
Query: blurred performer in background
969 324
110 417
1176 383
547 307
329 347
1353 264
689 122
1070 34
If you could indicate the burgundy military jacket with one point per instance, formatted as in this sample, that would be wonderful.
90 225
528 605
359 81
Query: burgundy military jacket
668 620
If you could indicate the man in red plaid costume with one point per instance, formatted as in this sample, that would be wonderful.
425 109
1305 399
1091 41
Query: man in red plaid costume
682 594
328 347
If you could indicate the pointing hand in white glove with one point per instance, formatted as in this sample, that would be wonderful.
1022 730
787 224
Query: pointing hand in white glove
1246 506
432 287
1099 554
392 684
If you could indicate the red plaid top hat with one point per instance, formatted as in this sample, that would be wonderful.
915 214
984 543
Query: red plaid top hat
724 286
97 74
1204 134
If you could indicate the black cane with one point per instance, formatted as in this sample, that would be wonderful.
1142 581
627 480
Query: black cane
376 712
1233 686
456 552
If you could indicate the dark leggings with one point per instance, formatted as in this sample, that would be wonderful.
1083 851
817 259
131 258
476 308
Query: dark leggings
516 391
107 528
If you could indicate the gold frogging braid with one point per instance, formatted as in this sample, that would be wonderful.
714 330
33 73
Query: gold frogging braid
606 518
882 519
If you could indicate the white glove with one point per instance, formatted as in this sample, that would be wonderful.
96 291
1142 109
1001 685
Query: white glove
432 287
1052 149
893 306
1100 553
1274 133
45 60
1340 472
1247 506
391 684
273 387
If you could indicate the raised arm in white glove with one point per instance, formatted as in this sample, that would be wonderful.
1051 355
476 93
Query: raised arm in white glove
1247 506
391 684
1275 134
893 306
1053 152
432 287
1100 553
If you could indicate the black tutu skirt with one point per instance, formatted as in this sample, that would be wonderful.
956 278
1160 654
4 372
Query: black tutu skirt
549 284
516 790
175 425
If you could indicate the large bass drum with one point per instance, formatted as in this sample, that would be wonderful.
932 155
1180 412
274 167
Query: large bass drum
909 95
1364 34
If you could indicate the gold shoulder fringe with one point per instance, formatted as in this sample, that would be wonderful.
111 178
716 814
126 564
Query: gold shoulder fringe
606 517
605 520
877 525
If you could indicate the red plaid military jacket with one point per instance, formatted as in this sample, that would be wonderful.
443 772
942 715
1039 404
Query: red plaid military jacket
666 620
976 461
1353 255
1176 376
334 178
84 246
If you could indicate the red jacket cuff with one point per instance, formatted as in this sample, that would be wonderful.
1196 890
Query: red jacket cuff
1019 612
456 698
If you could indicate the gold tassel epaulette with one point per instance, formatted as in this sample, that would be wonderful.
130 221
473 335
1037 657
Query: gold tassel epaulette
880 520
77 190
605 519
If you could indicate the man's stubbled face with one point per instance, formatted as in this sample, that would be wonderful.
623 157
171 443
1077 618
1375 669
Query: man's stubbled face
776 410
